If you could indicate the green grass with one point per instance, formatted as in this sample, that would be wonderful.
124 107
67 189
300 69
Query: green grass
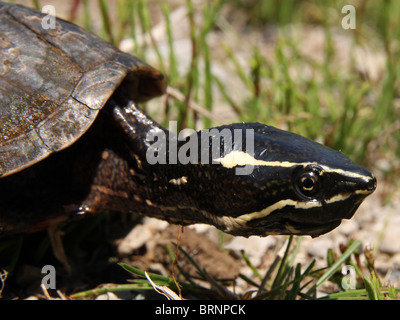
284 280
320 99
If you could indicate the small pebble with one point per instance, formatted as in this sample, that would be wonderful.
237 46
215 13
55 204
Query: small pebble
107 296
255 247
319 247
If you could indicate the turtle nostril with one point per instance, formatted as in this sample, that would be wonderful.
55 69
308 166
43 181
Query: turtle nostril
371 186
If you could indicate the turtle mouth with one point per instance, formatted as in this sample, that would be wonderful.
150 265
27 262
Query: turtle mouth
317 224
310 229
288 226
312 221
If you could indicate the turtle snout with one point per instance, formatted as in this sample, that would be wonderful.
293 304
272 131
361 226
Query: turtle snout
371 184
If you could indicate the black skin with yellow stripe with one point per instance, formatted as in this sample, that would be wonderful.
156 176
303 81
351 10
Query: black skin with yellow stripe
311 186
73 142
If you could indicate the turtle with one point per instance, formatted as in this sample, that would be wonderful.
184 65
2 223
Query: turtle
74 142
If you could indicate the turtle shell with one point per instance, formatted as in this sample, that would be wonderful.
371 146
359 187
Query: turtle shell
53 82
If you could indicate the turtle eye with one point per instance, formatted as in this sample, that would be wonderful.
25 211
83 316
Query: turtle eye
308 183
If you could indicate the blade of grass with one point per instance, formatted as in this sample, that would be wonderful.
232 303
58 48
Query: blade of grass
283 267
86 15
373 287
154 276
250 265
186 275
193 73
173 69
191 260
328 273
268 274
248 280
145 21
106 20
143 285
239 70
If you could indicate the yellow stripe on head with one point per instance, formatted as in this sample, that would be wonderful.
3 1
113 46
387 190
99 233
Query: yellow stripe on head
240 158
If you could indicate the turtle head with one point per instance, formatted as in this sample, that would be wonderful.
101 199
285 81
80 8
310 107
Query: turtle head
248 179
283 183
